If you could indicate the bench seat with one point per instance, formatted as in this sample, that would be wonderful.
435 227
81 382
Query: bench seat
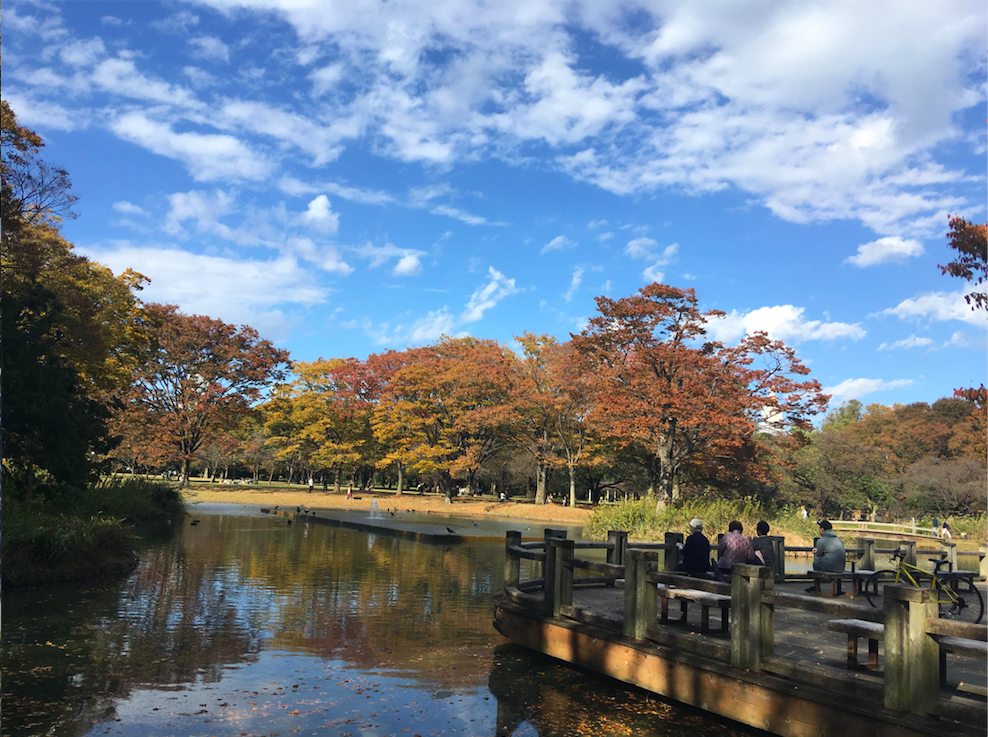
855 628
705 599
835 579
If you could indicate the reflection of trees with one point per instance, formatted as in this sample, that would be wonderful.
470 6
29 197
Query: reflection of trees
174 620
213 596
377 601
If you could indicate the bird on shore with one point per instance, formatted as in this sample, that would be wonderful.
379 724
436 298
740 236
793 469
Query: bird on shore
450 530
392 514
275 506
194 522
289 521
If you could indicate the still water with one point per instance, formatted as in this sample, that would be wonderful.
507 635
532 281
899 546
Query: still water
246 626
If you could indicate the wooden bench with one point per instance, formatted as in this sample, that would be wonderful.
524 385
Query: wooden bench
835 579
964 648
705 599
855 628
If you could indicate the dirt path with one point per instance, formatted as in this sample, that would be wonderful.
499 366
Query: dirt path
428 503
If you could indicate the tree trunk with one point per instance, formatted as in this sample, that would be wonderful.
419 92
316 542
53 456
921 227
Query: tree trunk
183 480
336 480
401 479
572 486
541 474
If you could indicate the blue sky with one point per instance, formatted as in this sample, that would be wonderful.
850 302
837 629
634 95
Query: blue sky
351 177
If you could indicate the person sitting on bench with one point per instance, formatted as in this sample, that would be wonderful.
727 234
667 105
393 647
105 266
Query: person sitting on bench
696 551
734 548
829 554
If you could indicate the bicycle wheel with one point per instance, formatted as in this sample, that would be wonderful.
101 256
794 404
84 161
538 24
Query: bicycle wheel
963 604
875 585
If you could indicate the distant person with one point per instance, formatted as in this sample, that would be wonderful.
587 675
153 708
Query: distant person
936 527
829 554
803 513
763 547
696 550
312 484
502 497
945 530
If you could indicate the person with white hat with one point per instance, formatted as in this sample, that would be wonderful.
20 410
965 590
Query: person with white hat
696 550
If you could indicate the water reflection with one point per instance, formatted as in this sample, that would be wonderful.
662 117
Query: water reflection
245 624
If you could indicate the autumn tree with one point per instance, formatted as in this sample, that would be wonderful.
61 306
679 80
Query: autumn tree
449 409
658 382
198 379
333 399
70 328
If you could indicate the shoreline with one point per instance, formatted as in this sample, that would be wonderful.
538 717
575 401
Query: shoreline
426 504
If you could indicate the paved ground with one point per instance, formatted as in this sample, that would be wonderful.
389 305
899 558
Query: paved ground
799 635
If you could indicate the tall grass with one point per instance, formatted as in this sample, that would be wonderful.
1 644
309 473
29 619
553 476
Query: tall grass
642 522
89 534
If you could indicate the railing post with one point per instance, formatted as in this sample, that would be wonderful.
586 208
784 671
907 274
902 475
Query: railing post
619 540
951 551
909 547
752 620
548 535
640 597
670 556
912 657
512 563
779 547
867 559
561 585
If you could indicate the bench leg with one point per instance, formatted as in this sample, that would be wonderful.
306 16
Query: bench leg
683 604
873 654
943 669
724 622
704 619
665 610
852 652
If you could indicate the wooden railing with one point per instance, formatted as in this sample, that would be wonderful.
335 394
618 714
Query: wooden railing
909 615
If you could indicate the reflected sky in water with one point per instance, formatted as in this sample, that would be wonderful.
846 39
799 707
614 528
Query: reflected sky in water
246 625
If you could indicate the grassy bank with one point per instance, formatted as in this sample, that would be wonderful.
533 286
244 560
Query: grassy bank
640 519
84 535
642 522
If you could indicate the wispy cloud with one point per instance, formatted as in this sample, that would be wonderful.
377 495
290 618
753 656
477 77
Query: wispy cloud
781 322
891 249
559 243
498 287
857 388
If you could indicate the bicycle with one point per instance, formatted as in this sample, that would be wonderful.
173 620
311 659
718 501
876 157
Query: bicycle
965 605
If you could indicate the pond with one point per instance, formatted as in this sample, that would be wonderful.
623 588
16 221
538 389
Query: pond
244 625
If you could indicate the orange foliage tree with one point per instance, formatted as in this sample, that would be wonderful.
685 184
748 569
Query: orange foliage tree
198 379
688 401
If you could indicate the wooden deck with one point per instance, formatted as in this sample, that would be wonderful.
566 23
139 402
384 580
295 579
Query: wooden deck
777 667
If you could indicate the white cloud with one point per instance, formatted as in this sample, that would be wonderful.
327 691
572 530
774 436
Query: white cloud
297 188
408 260
45 114
326 257
640 247
889 249
653 273
559 243
129 208
911 342
121 77
605 236
497 288
209 47
433 326
83 53
320 215
594 224
237 291
199 78
857 388
959 339
323 80
206 156
939 306
781 322
465 217
204 207
574 283
111 20
178 23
